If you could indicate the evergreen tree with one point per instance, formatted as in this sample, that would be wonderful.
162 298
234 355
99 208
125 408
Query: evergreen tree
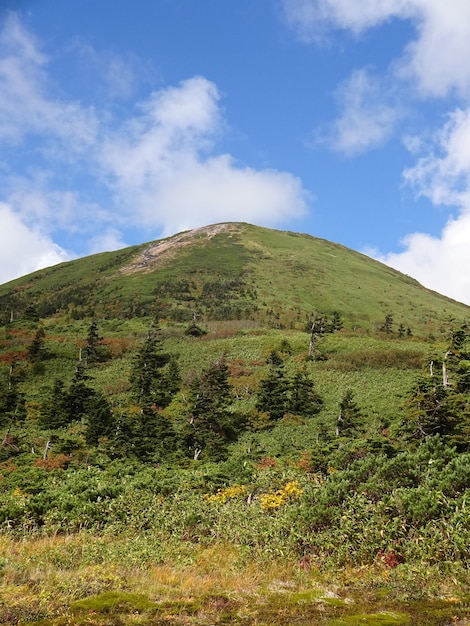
387 325
273 395
94 349
336 321
79 396
100 419
211 425
439 403
54 411
303 398
148 378
154 438
428 411
350 421
37 349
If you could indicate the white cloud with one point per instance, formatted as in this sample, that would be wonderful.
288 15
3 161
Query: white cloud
161 164
22 249
366 120
443 176
439 263
434 61
217 190
25 107
437 56
311 18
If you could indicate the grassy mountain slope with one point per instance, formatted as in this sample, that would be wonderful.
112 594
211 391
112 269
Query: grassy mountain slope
232 271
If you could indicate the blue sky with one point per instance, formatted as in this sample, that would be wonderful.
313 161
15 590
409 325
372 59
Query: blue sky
122 122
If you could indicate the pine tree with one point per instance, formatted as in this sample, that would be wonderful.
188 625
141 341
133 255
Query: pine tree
36 349
148 376
211 425
79 396
94 349
387 325
100 419
154 437
54 411
303 398
273 397
350 421
336 321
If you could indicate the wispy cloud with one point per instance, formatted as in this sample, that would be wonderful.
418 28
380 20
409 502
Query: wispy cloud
366 120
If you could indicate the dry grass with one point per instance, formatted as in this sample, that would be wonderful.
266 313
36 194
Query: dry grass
51 582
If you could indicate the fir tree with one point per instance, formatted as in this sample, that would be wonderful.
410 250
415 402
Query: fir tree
273 397
303 398
211 425
94 349
100 419
148 380
54 411
350 421
37 349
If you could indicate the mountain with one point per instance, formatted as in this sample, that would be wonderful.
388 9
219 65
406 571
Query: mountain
261 396
231 271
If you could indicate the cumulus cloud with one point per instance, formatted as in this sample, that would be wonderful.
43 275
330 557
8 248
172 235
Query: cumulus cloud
439 263
160 162
22 249
89 172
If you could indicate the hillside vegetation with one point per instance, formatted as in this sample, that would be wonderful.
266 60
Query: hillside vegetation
233 394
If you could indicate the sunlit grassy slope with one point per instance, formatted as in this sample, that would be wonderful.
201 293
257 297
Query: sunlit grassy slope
233 271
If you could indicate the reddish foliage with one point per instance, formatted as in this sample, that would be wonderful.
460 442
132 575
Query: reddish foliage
236 369
11 357
305 464
390 558
58 461
116 347
267 461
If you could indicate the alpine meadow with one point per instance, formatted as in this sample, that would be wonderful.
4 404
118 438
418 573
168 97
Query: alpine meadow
233 425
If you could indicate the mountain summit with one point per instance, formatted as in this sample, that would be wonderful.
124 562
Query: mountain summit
230 271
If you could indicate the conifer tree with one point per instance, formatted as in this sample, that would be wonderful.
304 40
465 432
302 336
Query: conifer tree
95 351
54 411
100 419
273 397
211 426
350 421
148 380
79 397
37 349
303 398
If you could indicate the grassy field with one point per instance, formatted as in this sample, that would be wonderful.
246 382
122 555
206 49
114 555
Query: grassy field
84 579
